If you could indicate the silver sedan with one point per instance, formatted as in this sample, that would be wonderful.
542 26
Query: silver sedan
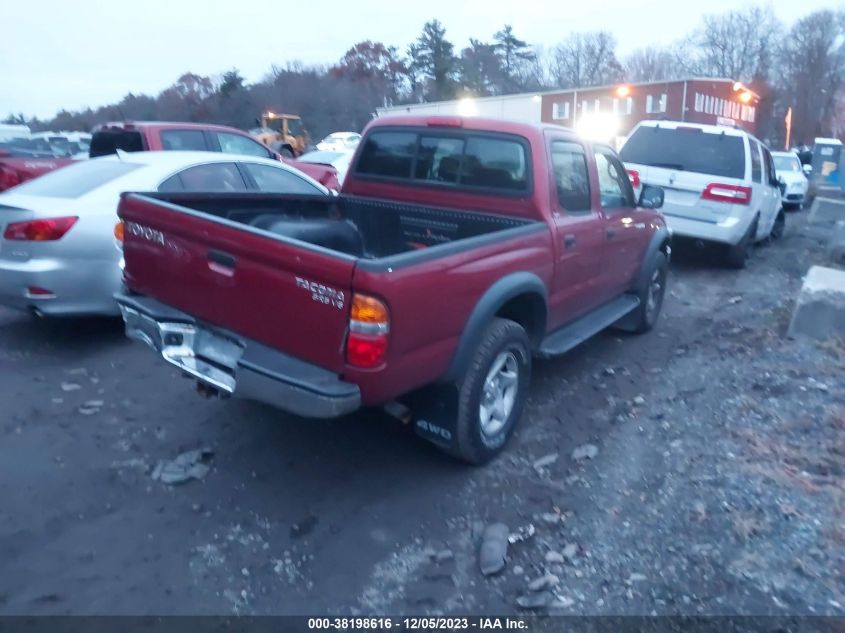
59 251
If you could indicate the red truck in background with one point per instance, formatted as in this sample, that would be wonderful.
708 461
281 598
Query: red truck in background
141 136
458 249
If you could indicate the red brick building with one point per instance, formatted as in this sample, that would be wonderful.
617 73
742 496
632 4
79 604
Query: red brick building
713 101
620 106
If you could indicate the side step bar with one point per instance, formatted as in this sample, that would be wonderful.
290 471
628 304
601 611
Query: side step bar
564 339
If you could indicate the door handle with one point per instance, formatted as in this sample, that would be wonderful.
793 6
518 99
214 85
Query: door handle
569 240
611 233
221 263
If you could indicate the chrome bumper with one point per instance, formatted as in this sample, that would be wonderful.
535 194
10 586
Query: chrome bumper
237 366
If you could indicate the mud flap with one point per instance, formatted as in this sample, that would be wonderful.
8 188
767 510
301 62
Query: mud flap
435 413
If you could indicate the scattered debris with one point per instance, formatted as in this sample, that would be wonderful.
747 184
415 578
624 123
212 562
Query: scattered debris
70 386
570 551
494 549
552 518
546 460
562 602
444 555
546 581
536 600
90 407
609 371
635 577
554 557
189 465
522 534
639 400
518 570
304 527
587 451
735 299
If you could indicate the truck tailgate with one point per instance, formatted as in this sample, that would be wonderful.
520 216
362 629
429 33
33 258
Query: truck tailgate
288 295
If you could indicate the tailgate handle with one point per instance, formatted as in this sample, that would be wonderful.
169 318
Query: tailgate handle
222 263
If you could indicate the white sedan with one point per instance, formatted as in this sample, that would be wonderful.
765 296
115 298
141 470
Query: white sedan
339 141
59 250
788 169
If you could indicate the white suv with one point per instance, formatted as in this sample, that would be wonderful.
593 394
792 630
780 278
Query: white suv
720 182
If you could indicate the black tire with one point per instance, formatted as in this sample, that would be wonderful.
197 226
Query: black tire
779 227
739 253
651 296
473 442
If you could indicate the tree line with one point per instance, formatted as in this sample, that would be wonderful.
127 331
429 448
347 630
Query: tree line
800 67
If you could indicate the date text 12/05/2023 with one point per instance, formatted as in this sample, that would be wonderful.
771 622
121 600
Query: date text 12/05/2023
418 623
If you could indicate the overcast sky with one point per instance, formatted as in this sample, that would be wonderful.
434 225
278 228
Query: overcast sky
75 53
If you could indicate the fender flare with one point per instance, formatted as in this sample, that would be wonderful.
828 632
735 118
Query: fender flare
488 305
662 237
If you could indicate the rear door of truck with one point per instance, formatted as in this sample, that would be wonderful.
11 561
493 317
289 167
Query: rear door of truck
288 295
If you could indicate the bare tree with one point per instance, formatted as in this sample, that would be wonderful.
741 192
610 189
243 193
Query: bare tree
813 61
737 44
585 59
652 64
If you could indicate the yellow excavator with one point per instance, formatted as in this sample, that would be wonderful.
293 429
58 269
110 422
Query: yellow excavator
283 133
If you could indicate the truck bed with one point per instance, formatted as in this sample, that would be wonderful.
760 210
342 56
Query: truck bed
359 227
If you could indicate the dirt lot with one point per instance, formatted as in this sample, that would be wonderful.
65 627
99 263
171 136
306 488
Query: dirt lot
710 478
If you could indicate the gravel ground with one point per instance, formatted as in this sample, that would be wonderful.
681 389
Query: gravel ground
694 470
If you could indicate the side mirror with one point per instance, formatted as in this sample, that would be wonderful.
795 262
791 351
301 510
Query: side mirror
651 197
808 169
782 185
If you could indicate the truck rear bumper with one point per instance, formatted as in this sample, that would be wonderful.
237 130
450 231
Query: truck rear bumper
237 366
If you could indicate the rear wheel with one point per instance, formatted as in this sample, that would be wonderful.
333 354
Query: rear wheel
493 392
739 253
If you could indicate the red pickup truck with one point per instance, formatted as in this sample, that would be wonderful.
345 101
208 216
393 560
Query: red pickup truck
458 249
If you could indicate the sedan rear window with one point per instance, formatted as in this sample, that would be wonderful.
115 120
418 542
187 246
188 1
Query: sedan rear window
464 161
76 180
686 149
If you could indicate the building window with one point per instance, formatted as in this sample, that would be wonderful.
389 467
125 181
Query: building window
629 105
699 102
585 107
560 110
598 105
653 106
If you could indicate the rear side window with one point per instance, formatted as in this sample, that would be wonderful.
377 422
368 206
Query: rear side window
569 163
473 161
76 180
237 144
279 180
686 149
756 165
217 177
182 140
105 142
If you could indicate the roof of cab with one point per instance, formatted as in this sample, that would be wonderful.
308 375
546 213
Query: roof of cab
507 126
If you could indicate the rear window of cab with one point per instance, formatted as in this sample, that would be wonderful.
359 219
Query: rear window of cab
460 160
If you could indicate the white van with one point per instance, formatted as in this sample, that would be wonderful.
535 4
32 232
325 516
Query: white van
720 182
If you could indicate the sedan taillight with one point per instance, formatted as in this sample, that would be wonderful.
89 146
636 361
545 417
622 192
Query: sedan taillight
733 194
46 230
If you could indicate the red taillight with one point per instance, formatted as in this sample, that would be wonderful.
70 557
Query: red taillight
46 230
634 177
369 325
8 179
733 194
